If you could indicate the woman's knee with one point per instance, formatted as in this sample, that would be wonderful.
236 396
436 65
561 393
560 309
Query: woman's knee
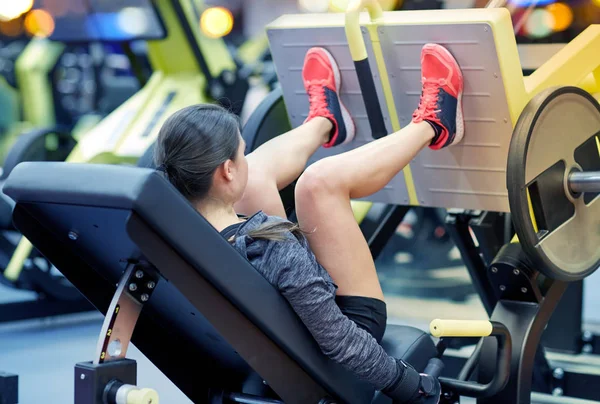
317 180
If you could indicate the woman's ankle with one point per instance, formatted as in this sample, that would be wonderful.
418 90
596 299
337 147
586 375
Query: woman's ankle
423 129
323 127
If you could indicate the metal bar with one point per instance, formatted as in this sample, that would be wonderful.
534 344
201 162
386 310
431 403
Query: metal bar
525 322
564 328
458 227
490 233
502 368
580 182
471 363
249 399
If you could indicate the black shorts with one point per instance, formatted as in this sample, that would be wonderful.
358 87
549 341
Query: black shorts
368 313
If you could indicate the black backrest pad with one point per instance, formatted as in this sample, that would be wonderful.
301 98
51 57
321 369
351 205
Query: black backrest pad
211 294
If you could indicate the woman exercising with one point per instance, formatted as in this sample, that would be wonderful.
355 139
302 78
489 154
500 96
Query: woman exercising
322 265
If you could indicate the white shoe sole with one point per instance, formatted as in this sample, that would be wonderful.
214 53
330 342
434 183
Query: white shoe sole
348 122
460 124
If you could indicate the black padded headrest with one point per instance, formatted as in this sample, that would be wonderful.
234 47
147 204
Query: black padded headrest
87 191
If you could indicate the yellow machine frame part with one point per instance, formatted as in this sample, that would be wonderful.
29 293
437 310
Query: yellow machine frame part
32 67
175 69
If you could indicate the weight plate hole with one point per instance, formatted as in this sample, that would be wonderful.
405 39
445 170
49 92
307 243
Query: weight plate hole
548 204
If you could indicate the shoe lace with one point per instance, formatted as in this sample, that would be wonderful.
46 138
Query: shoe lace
429 97
317 99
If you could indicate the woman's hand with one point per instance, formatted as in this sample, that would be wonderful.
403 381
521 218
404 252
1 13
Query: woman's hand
430 389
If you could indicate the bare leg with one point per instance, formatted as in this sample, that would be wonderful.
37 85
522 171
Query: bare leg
277 163
323 207
324 190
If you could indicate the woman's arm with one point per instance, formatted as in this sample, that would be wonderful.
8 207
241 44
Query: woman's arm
312 297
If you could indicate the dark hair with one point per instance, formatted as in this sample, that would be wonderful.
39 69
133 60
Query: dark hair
192 143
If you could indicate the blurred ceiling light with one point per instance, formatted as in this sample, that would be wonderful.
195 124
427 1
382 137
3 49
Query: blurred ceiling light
13 27
539 24
562 16
133 21
216 22
10 9
314 6
39 23
531 3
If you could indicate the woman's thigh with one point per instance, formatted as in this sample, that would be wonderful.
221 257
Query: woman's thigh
325 213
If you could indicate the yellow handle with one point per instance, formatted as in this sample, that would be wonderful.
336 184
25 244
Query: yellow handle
356 43
460 328
142 396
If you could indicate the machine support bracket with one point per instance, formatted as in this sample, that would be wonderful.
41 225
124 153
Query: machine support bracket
133 291
111 377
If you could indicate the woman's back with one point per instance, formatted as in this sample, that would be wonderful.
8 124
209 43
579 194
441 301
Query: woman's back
270 257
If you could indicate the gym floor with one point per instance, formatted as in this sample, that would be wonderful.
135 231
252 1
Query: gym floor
43 352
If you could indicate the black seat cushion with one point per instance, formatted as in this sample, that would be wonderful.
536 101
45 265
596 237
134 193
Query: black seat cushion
409 343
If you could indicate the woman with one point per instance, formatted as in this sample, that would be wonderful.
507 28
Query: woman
322 265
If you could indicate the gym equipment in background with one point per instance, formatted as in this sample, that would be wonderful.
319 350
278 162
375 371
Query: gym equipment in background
421 260
10 49
178 79
59 88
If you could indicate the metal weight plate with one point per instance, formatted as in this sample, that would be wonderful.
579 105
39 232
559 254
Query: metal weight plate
556 133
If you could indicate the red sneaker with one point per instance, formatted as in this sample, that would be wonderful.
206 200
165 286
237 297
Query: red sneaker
441 97
321 77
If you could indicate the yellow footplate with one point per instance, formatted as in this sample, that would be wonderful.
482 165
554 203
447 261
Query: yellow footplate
460 328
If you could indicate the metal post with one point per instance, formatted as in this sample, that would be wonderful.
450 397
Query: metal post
458 227
526 322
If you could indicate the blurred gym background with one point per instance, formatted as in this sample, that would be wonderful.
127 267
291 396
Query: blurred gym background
73 84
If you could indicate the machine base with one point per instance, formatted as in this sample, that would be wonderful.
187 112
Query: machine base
9 388
91 380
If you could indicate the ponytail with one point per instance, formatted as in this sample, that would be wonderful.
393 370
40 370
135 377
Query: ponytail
277 231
